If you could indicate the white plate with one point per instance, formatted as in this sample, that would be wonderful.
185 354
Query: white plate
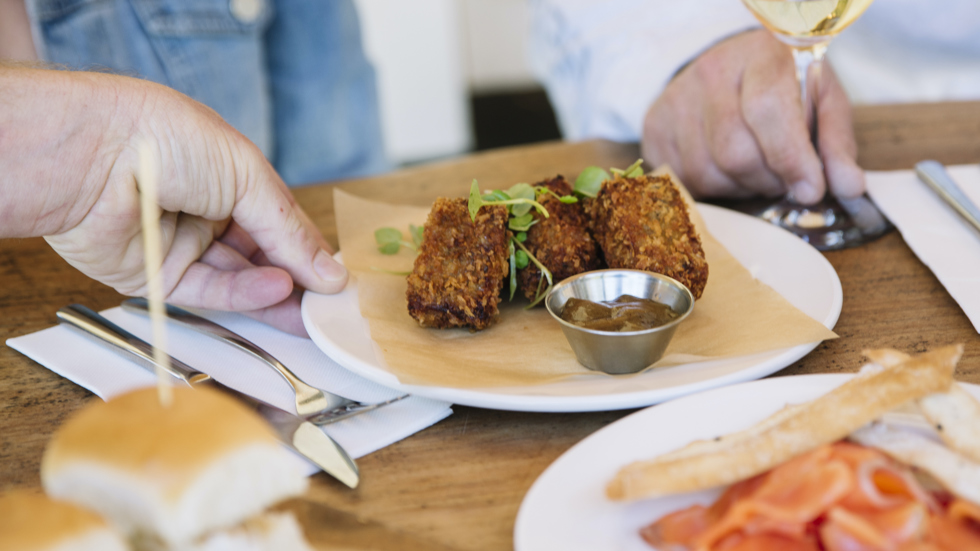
566 508
793 268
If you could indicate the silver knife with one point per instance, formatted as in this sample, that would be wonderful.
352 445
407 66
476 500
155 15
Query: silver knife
935 176
302 436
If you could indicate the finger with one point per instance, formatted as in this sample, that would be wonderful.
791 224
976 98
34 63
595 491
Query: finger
657 146
223 257
265 210
838 146
771 108
732 146
681 113
204 286
284 315
238 239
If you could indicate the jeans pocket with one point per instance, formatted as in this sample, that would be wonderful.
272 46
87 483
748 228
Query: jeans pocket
176 18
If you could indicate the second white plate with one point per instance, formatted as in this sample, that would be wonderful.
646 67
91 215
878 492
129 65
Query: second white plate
793 268
567 509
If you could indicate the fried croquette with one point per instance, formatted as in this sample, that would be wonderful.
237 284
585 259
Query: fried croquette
560 242
460 268
642 223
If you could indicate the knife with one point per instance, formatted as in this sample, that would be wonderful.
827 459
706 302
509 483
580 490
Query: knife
935 176
299 435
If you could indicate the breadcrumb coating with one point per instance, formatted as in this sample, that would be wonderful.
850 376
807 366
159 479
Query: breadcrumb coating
561 242
642 223
461 266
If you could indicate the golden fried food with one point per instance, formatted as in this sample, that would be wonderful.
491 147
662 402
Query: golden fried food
642 223
461 267
560 242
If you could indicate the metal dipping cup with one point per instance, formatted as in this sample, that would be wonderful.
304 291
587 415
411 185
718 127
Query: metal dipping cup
624 352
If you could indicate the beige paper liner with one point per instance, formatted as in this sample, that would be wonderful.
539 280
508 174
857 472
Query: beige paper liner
737 315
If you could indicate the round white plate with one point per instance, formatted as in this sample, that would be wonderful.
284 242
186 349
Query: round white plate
793 268
566 508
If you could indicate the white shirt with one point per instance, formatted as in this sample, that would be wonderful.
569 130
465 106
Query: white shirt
604 62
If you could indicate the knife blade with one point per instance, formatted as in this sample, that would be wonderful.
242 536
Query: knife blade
296 433
935 176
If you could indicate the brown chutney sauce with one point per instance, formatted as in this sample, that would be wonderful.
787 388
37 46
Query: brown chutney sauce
626 313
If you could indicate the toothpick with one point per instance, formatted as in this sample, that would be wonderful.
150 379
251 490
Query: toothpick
146 177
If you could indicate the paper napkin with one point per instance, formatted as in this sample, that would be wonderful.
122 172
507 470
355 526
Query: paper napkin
107 373
934 231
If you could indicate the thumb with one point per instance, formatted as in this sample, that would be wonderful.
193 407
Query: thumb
838 146
266 210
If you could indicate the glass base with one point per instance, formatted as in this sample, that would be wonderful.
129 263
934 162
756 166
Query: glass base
830 225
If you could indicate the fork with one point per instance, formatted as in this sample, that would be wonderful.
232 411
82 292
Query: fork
317 406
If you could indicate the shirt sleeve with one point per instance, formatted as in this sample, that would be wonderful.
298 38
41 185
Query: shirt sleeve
604 62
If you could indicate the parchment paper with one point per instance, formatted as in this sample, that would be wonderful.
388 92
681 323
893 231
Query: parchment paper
737 315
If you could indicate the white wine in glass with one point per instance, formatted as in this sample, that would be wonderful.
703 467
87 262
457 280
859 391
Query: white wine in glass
807 26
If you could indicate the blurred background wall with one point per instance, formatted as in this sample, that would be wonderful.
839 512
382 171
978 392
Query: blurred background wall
453 76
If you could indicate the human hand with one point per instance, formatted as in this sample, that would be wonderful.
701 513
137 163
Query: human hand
233 237
730 125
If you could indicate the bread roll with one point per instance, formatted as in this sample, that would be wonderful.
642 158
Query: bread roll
172 474
32 522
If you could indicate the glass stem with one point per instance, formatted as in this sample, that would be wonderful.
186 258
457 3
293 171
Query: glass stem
804 58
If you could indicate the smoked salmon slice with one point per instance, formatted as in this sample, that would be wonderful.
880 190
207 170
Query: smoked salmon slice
840 497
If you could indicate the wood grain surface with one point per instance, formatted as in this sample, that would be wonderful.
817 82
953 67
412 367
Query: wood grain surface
458 485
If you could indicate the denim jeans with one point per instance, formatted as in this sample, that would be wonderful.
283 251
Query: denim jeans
291 75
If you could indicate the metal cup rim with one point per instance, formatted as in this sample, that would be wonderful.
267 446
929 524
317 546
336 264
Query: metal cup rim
601 273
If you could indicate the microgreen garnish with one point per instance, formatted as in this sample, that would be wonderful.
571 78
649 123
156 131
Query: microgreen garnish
539 295
519 200
567 199
416 232
522 223
390 240
521 258
632 171
589 181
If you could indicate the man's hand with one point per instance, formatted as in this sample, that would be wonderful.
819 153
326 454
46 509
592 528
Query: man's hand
731 125
233 237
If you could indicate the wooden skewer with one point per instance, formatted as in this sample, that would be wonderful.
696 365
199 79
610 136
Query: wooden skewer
149 169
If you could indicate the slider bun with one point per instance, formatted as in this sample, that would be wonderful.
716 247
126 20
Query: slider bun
170 473
33 522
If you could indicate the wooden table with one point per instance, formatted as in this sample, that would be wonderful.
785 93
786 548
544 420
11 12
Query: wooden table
458 485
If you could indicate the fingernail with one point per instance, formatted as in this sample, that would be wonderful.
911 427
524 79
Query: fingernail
327 268
803 192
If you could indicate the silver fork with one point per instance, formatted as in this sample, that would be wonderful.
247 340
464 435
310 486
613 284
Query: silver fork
317 406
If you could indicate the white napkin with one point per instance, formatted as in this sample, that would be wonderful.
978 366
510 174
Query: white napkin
107 373
934 231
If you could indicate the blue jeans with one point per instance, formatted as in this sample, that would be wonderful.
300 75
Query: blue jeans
289 74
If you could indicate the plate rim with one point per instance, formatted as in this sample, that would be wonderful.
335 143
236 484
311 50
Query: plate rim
827 381
493 399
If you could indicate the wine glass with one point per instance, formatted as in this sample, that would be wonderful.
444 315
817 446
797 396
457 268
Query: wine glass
807 26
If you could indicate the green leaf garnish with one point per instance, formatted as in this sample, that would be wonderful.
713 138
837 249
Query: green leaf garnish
521 223
476 201
589 181
539 294
417 232
521 258
522 236
390 241
496 195
632 171
567 199
521 191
